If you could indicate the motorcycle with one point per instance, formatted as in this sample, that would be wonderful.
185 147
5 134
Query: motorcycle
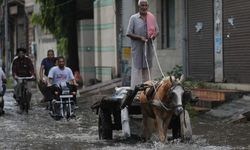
63 103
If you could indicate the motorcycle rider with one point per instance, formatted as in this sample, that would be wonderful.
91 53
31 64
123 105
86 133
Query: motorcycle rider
59 74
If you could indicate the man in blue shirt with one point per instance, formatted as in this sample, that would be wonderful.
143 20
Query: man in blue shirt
46 64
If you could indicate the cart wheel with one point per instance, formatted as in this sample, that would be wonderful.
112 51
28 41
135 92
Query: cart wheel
23 101
27 97
186 129
105 124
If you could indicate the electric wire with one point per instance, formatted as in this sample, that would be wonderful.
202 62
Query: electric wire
60 5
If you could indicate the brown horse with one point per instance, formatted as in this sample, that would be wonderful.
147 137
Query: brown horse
160 105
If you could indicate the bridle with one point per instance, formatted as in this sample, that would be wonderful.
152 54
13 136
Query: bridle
158 102
170 105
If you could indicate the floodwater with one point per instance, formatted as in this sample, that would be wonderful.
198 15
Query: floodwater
39 131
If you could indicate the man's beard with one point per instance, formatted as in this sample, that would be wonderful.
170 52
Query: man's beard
61 67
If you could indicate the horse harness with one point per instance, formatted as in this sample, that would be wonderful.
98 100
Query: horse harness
150 92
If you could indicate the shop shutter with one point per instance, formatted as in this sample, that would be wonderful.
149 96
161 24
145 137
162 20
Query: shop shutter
236 18
200 44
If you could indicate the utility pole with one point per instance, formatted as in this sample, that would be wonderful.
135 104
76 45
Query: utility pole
6 37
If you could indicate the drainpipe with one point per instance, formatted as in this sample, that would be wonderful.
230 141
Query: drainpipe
185 49
6 37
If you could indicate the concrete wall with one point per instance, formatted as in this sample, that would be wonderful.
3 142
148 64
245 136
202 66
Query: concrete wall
42 40
29 3
41 45
86 51
169 58
105 39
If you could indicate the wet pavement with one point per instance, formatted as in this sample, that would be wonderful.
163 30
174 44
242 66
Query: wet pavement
37 130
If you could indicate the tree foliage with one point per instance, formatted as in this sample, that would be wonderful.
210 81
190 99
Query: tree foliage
56 17
177 71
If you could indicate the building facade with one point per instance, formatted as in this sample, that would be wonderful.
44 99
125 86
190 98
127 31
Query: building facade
111 48
208 38
219 40
39 41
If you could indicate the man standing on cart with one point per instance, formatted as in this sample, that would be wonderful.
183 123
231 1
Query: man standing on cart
142 30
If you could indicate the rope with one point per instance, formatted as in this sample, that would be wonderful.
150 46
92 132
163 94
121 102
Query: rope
145 54
149 74
167 109
157 59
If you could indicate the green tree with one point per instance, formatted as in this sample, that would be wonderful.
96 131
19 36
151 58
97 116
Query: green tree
58 17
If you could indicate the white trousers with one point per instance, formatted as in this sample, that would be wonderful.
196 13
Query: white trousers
138 76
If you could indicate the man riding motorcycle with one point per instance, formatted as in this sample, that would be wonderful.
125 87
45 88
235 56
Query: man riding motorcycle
60 74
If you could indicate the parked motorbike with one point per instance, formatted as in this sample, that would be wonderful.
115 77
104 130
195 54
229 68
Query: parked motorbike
63 103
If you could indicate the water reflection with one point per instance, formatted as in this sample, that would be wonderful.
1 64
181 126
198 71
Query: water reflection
38 130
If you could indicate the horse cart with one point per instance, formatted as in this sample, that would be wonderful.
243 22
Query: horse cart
114 111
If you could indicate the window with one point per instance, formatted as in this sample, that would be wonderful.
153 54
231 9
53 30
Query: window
167 27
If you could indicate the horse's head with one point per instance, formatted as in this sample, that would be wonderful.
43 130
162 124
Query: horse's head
175 95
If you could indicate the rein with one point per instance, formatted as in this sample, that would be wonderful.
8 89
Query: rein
157 102
168 106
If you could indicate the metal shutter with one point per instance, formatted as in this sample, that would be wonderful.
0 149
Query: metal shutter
236 41
200 44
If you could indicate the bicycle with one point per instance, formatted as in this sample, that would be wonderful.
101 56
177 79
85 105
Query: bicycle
24 99
1 103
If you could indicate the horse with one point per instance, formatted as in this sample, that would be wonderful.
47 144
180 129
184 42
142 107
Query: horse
159 101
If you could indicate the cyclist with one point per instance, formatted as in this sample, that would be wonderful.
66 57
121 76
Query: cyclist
59 74
21 67
2 88
2 80
46 64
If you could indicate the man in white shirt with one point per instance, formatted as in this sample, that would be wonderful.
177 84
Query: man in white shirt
61 73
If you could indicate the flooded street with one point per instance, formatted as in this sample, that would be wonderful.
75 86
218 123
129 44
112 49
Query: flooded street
38 130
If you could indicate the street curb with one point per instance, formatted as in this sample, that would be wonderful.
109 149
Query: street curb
106 85
12 90
99 87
